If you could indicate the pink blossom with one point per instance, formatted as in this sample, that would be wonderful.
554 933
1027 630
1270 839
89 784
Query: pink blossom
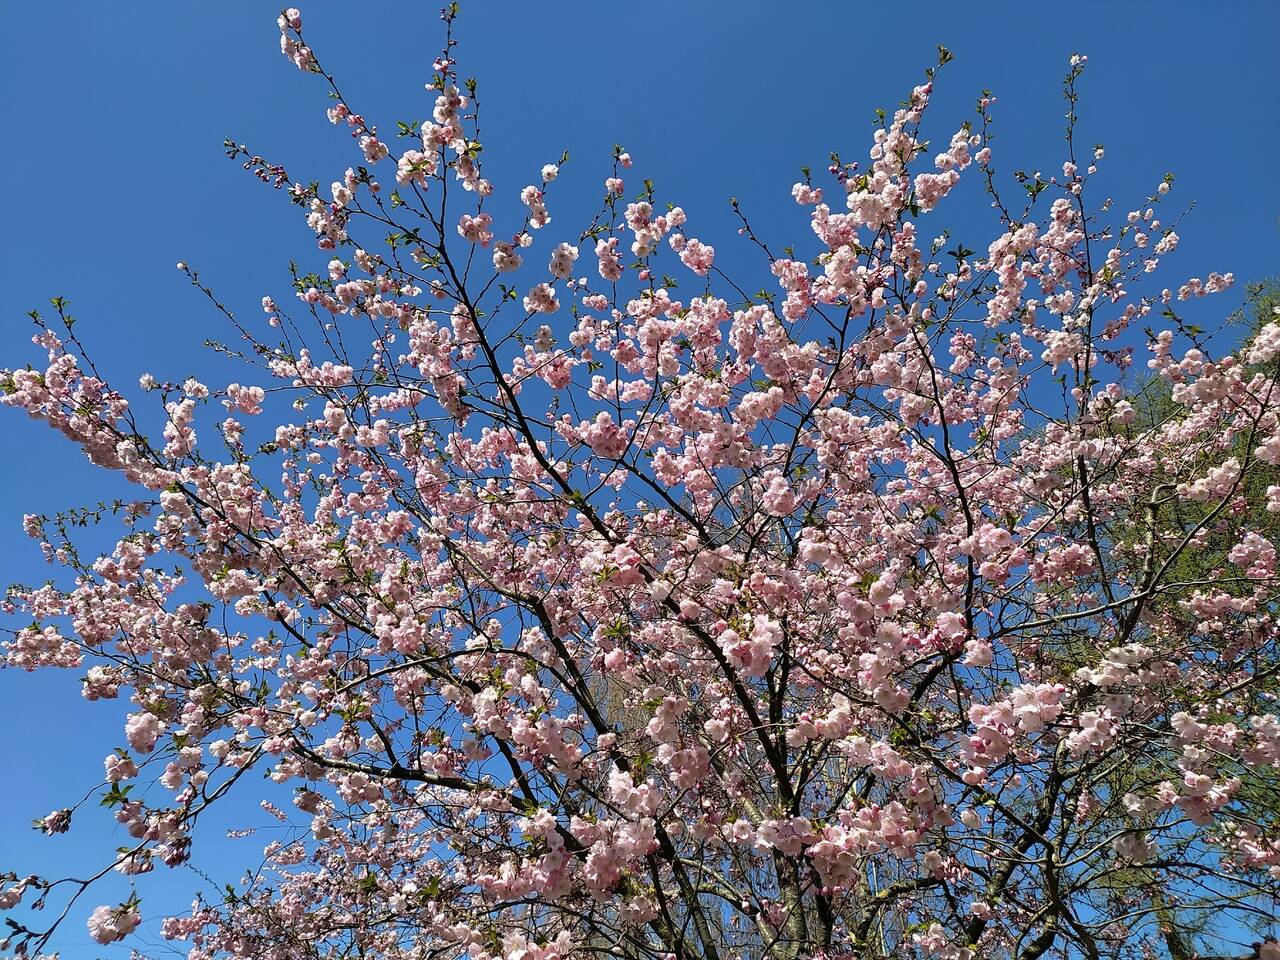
109 924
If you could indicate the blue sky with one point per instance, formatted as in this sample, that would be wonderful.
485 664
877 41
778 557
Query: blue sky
114 170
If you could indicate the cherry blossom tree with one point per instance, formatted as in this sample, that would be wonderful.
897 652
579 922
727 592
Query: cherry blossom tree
572 615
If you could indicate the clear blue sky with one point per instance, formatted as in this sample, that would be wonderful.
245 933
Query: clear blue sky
113 170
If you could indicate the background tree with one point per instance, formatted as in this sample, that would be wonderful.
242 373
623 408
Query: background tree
1259 792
